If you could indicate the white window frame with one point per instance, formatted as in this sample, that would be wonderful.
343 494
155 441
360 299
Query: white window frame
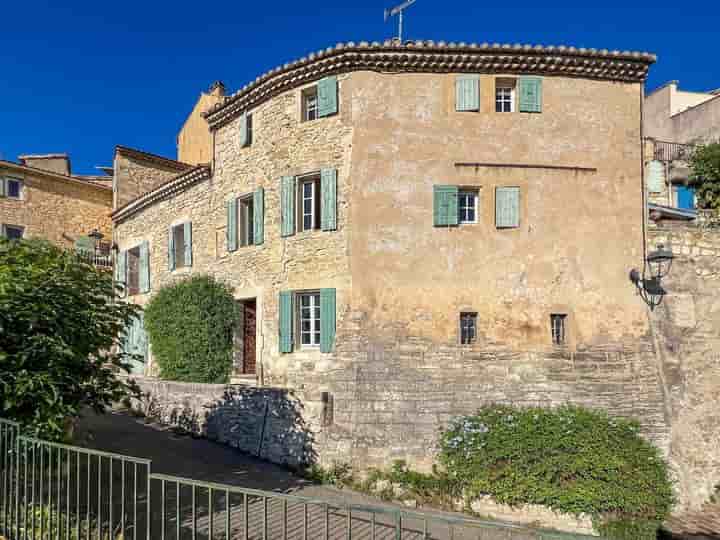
309 105
504 95
471 316
6 226
558 329
315 212
462 209
20 184
313 308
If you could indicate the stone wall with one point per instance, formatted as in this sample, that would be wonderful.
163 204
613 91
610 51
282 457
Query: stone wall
136 175
687 326
58 210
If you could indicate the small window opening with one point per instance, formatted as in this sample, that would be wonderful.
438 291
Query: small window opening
468 328
179 240
505 95
309 104
308 204
13 232
246 221
467 206
13 188
133 271
557 328
308 318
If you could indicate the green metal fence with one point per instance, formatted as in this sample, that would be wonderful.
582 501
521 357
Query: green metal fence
50 491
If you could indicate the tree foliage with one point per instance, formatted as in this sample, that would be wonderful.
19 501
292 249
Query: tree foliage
705 166
570 459
58 325
191 325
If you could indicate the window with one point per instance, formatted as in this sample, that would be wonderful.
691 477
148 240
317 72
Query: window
308 203
133 270
246 220
178 247
11 188
13 232
505 95
557 328
468 328
309 104
309 319
467 206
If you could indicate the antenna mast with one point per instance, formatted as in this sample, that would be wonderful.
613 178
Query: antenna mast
398 10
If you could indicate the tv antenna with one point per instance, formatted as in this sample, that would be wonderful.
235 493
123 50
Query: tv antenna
398 10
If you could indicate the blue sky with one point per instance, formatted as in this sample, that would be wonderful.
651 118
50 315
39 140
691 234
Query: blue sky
82 76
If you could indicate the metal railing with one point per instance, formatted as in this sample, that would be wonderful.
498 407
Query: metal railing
101 260
51 491
670 151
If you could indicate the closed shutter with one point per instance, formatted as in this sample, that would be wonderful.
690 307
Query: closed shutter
328 187
507 207
85 244
286 321
231 232
144 274
244 130
327 96
187 236
171 249
530 94
121 271
327 320
467 93
445 209
287 204
655 176
259 216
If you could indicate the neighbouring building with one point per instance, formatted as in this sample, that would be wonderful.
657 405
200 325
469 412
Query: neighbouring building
414 230
40 197
674 120
195 142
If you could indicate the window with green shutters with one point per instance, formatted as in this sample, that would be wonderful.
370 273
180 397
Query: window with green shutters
309 202
286 322
507 207
307 319
445 206
287 205
530 90
327 320
180 246
327 97
467 93
328 187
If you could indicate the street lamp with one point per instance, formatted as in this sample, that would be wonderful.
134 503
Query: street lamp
649 283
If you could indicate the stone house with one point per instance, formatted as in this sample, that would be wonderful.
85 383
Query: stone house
40 197
414 230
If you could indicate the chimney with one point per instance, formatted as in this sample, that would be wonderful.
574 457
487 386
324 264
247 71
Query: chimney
217 89
57 163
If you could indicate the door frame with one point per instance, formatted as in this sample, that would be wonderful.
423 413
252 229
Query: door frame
255 294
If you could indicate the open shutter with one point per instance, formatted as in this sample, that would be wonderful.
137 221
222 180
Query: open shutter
467 93
328 187
231 231
144 274
259 216
121 271
507 207
287 203
530 94
327 96
171 249
244 130
286 321
187 236
327 320
445 209
2 187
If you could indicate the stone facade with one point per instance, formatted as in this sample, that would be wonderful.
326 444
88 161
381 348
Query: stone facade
54 206
398 372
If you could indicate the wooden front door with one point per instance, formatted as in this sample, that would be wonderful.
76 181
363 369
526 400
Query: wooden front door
249 318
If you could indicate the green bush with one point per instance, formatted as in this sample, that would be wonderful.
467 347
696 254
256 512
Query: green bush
191 325
570 459
705 166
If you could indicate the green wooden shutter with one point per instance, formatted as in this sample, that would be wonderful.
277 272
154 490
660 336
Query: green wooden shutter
144 274
244 130
530 94
327 320
467 93
655 176
171 249
2 187
507 207
445 209
231 231
328 187
287 203
327 96
259 216
286 321
121 271
187 237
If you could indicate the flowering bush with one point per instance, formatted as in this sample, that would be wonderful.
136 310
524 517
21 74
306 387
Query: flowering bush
570 459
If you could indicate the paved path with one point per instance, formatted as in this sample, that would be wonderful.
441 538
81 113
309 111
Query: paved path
206 461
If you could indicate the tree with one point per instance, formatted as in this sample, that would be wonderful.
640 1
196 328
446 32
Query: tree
191 325
58 327
705 166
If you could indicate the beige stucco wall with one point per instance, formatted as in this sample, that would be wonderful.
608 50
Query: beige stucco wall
194 141
57 210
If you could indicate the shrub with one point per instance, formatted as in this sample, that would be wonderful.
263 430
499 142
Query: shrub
705 166
570 459
58 324
191 325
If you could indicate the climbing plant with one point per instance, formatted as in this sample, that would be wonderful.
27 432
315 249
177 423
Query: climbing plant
705 167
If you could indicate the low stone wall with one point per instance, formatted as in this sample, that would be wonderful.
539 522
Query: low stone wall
270 423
